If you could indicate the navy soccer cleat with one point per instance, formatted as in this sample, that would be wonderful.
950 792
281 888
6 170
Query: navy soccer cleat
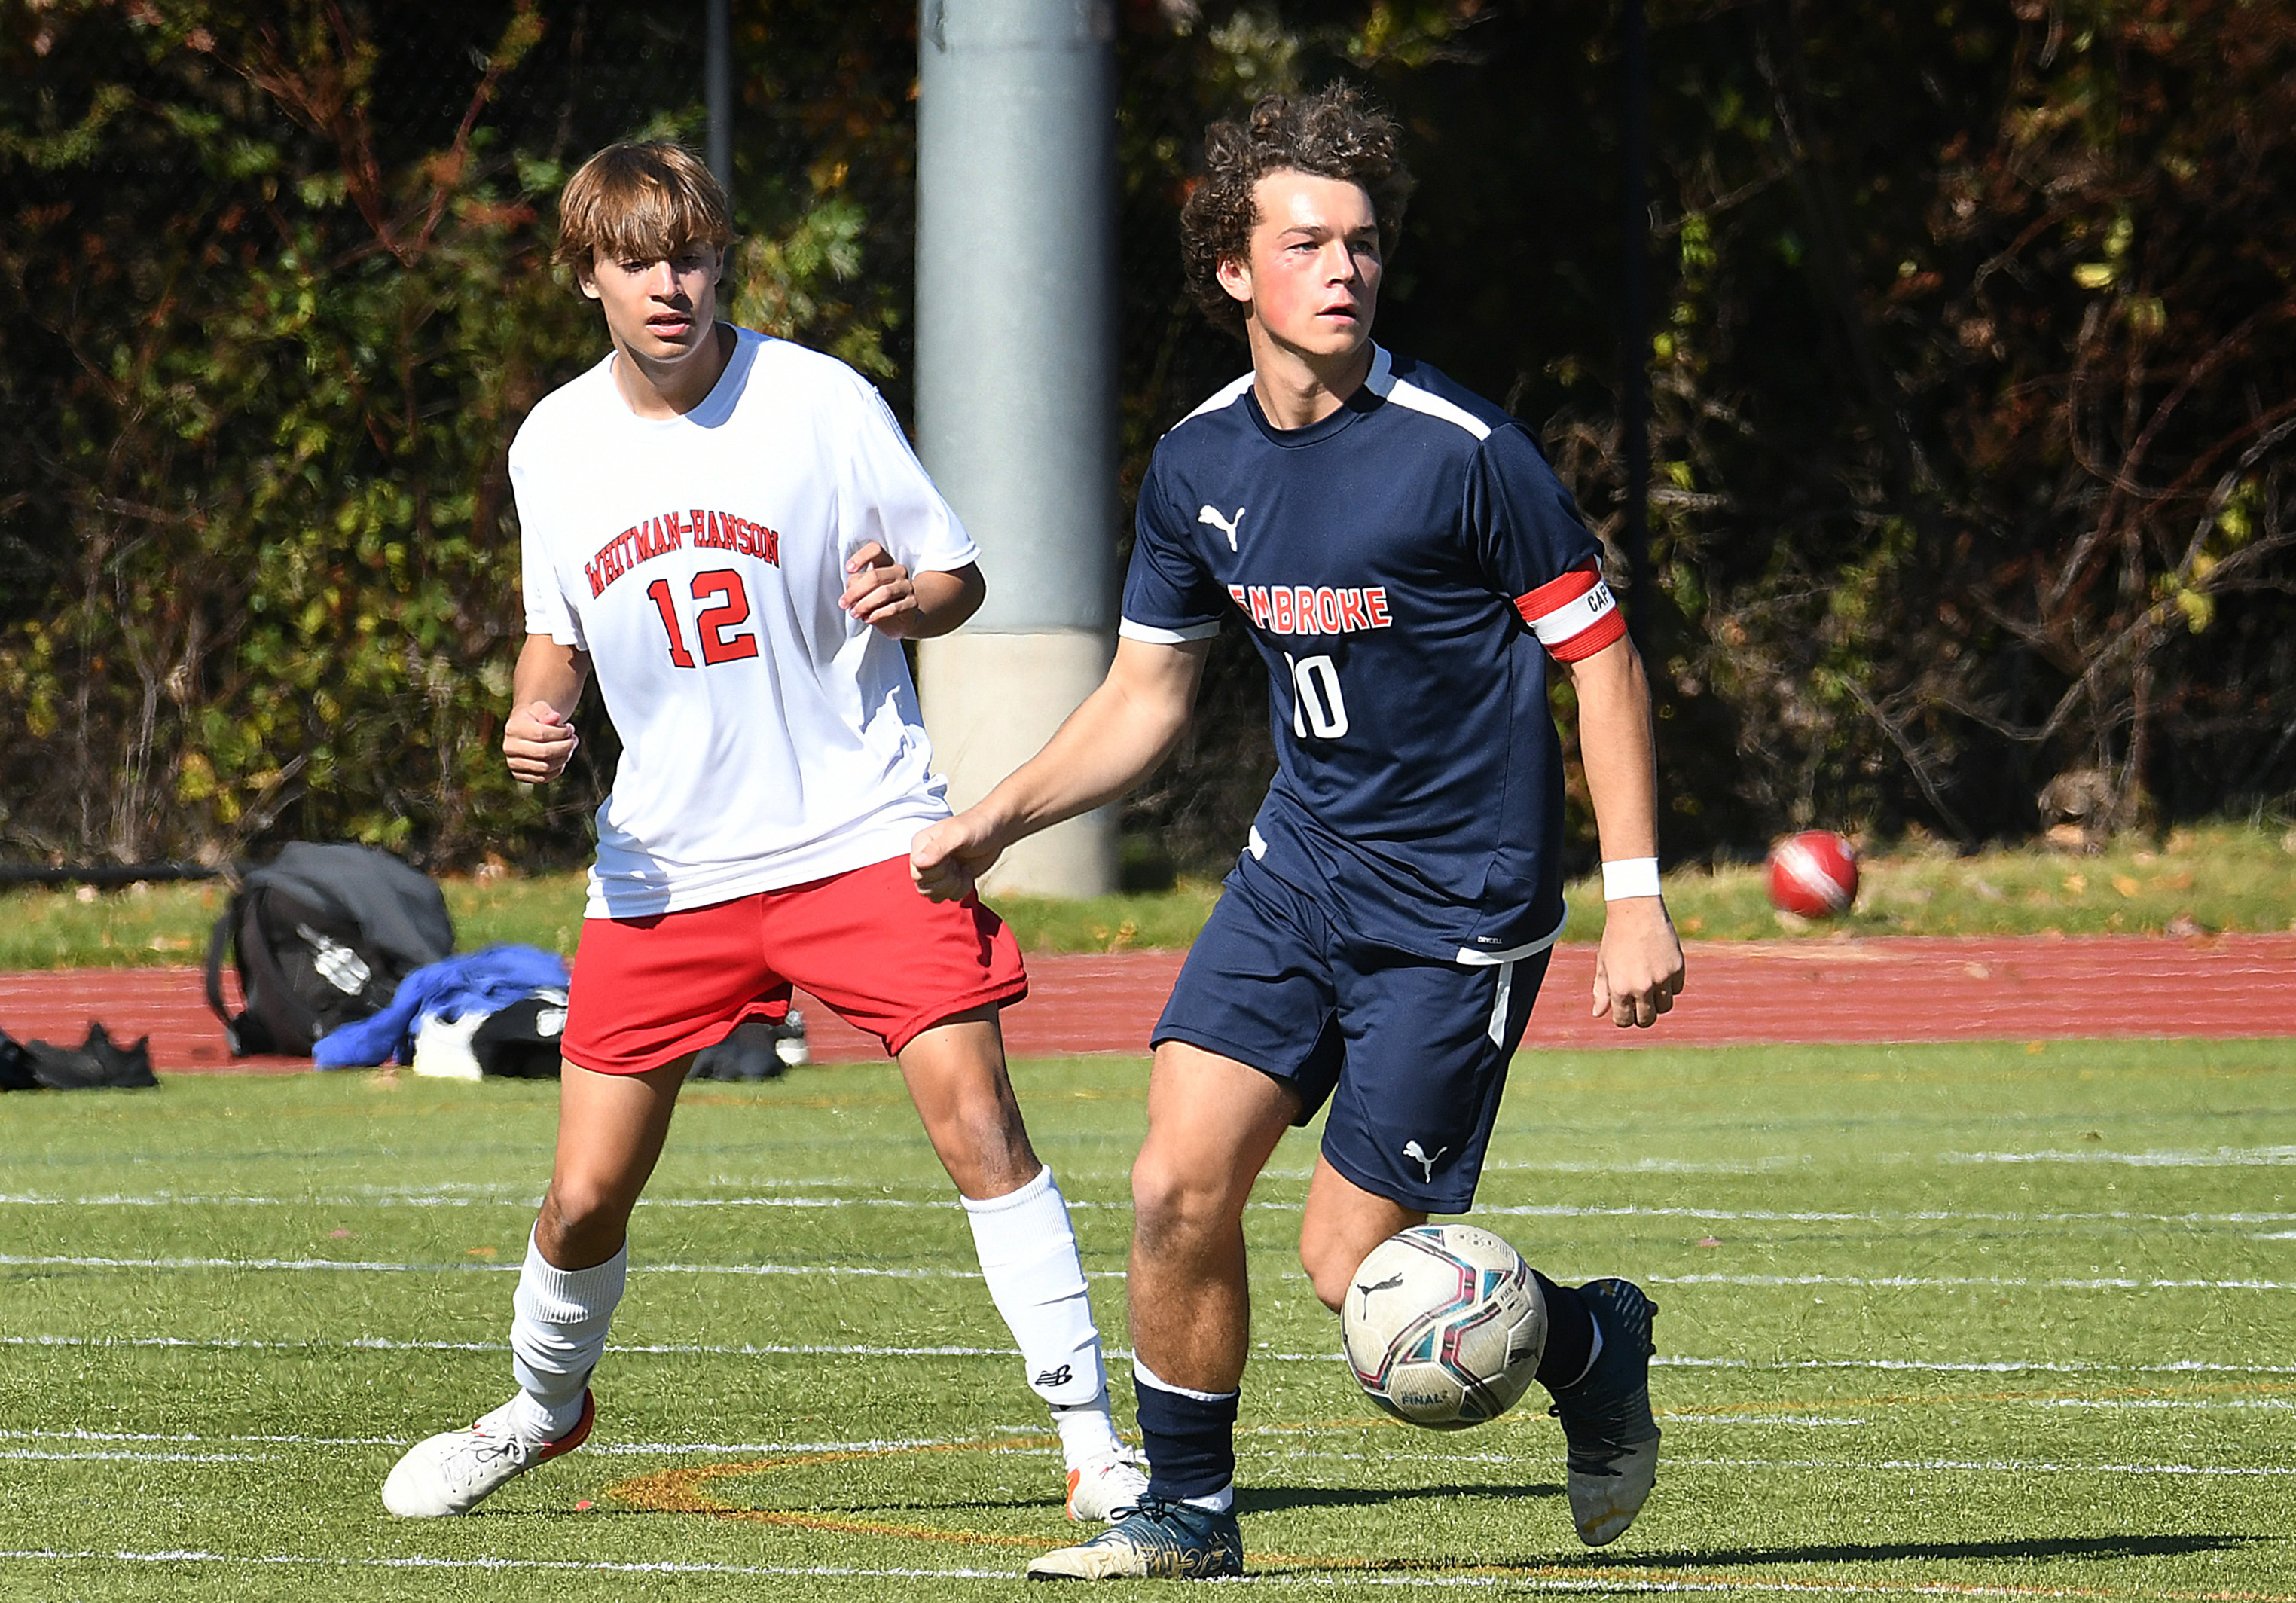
1606 1415
1155 1540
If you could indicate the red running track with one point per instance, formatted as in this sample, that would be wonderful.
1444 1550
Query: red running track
1739 992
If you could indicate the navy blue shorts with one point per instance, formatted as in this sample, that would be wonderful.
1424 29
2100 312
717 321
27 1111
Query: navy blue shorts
1411 1052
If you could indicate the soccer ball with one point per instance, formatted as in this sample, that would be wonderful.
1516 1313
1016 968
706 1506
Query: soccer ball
1444 1326
1813 874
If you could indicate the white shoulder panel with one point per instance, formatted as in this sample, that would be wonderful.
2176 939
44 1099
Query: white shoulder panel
1152 634
1403 393
1225 396
1383 383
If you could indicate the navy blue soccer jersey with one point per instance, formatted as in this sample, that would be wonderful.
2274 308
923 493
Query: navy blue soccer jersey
1404 566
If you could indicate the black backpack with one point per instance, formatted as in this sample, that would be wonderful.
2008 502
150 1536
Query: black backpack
322 937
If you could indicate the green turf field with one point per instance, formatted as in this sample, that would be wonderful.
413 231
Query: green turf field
1960 1320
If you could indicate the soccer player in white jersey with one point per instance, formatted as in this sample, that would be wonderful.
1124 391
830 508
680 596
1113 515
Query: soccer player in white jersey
1409 569
730 532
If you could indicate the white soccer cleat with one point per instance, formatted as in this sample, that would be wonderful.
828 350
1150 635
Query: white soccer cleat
1107 1486
451 1473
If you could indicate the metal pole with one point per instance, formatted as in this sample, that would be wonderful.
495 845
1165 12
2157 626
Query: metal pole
1017 388
1633 355
718 92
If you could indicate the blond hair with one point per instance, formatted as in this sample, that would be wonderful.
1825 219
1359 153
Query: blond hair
643 199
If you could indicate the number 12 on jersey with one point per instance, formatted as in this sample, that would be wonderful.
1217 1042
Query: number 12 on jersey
723 587
1317 707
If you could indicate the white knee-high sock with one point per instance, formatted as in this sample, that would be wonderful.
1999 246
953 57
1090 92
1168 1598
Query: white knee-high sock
557 1337
1029 1257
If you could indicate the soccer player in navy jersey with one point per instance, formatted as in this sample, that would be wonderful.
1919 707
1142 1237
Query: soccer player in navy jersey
1408 567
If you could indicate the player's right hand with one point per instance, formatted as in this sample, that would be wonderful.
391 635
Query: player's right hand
947 859
537 742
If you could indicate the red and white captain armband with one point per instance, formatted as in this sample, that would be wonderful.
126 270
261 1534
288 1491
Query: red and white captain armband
1630 876
1574 616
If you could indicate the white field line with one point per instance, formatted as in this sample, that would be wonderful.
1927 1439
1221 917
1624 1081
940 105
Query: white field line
189 1439
374 1267
383 1344
1873 1216
2204 1157
1982 1467
527 1202
1888 1465
832 1203
1275 1455
2214 1157
117 1455
185 1439
1860 1282
380 1344
610 1448
1625 1583
1929 1366
1810 1421
1598 1579
562 1566
1942 1282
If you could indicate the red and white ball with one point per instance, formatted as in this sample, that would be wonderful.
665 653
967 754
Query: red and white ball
1813 874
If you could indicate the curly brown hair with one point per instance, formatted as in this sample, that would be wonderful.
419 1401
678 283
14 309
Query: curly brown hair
1335 133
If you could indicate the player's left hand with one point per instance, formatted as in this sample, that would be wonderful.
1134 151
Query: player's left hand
878 591
1638 972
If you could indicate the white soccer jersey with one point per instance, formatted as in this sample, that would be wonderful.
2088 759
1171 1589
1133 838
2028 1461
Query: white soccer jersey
768 738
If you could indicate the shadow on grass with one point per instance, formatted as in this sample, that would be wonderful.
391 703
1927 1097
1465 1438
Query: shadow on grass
1271 1500
2030 1549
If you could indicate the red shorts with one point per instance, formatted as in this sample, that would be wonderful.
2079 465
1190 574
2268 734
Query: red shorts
646 991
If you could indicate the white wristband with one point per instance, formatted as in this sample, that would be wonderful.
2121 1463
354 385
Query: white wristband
1630 876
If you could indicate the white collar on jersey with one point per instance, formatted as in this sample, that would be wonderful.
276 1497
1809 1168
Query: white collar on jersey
1383 383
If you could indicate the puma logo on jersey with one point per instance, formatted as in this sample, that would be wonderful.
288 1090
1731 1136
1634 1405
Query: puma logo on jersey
1419 1156
1226 526
1390 1284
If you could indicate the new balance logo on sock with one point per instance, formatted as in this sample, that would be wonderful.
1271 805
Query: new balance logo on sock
1054 1378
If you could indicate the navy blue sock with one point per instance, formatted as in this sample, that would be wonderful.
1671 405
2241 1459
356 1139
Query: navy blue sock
1569 1334
1190 1440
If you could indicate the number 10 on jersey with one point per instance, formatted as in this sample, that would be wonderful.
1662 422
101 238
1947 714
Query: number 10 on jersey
1317 707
